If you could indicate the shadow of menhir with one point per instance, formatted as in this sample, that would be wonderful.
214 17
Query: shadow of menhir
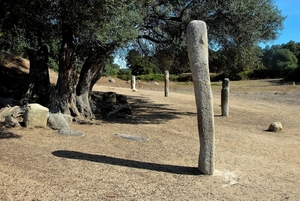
182 170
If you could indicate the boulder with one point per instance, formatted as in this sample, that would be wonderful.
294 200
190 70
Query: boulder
35 116
56 121
11 122
275 127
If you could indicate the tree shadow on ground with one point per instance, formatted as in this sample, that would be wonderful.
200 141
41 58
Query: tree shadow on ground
144 111
8 135
182 170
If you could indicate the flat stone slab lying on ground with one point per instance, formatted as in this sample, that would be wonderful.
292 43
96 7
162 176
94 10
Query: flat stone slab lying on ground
131 137
67 131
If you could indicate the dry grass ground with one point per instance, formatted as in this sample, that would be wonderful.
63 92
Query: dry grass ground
251 163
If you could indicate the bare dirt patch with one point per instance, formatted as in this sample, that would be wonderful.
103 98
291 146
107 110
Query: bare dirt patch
251 163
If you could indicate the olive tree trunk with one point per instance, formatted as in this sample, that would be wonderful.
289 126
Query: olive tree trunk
71 95
38 83
90 74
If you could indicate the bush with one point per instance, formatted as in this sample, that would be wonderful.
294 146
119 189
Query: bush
185 77
269 73
112 72
156 77
293 75
124 74
214 77
124 77
149 77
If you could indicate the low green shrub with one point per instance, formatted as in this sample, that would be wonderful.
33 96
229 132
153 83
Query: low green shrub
124 77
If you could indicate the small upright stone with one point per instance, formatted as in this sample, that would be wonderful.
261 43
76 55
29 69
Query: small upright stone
275 127
133 84
225 97
36 116
167 80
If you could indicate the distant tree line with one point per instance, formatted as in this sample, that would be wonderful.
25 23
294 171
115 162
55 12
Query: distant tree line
274 61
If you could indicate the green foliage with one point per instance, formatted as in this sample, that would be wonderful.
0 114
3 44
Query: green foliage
235 28
158 27
277 57
111 69
53 64
124 74
283 59
156 77
175 61
294 48
185 77
140 65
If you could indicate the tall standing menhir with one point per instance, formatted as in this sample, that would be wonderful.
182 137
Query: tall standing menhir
198 57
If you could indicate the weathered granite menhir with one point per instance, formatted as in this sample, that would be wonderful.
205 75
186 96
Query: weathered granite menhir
198 56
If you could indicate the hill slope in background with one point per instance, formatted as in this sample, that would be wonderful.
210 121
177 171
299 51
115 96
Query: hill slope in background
13 75
14 72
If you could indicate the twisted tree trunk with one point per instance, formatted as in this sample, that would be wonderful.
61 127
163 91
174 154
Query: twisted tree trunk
89 75
72 93
38 79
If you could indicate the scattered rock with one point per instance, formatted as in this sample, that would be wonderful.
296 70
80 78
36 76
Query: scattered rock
111 80
11 122
15 112
275 127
